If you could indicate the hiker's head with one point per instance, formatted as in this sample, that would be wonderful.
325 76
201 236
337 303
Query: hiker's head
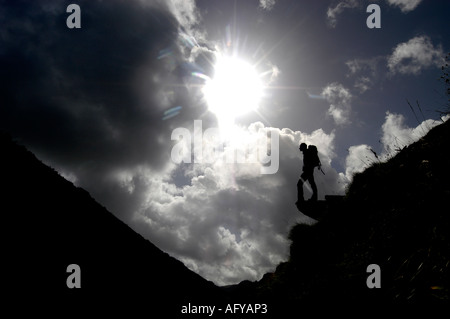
302 147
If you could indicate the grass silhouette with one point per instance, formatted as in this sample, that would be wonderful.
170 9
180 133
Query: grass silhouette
394 214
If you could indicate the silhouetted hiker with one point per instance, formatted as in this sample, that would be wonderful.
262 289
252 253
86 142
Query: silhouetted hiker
310 160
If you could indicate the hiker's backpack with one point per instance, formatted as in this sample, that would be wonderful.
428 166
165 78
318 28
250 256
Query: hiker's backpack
314 156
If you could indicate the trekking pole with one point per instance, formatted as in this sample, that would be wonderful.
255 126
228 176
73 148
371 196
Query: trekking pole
320 168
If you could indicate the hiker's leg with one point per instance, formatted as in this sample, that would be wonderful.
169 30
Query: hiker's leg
313 187
300 190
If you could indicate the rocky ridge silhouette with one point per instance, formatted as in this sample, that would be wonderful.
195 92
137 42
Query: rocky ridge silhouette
394 214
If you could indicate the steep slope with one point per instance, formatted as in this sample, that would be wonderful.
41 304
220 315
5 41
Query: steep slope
48 224
395 215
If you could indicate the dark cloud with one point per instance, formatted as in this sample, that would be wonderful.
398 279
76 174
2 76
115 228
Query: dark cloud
77 82
91 102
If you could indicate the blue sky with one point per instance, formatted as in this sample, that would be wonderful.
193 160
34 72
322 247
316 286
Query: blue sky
93 103
313 50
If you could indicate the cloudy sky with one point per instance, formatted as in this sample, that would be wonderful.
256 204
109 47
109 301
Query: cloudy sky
102 105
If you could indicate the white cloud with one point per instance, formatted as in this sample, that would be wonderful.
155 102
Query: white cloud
230 223
354 66
405 5
333 12
274 72
339 115
359 158
196 51
365 72
415 55
191 33
363 84
185 11
368 66
340 99
267 4
395 136
225 221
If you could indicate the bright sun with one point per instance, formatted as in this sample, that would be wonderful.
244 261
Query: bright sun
234 90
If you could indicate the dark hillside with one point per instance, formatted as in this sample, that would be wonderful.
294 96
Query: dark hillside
396 215
48 224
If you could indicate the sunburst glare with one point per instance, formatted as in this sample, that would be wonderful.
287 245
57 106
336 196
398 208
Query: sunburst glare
235 89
